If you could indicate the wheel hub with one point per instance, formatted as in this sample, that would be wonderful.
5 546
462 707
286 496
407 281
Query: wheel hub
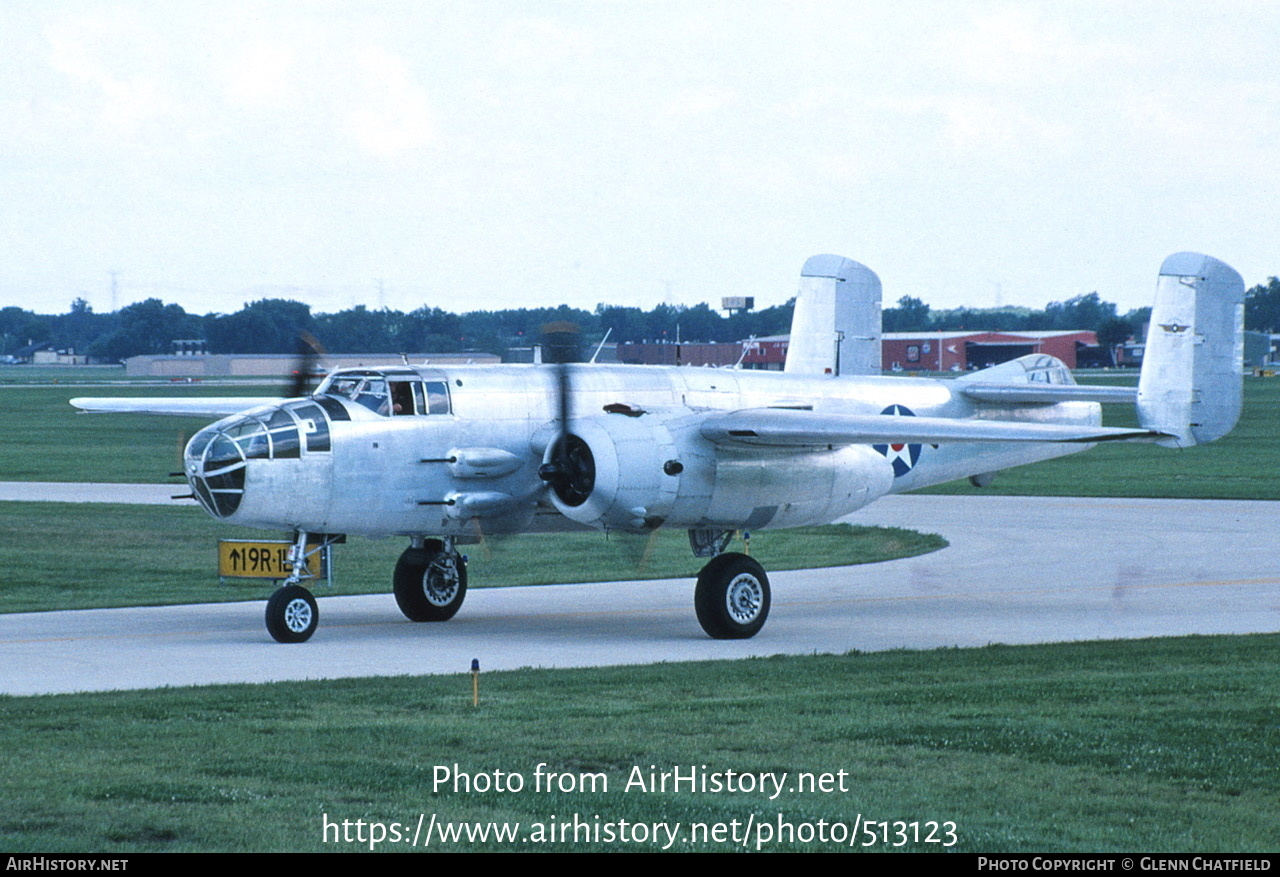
744 598
297 615
440 584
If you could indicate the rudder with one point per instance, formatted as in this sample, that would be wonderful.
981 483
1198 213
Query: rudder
1191 381
835 328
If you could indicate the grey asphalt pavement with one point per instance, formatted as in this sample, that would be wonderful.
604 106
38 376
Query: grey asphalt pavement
60 491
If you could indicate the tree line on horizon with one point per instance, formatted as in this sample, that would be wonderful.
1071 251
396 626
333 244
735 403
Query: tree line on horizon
273 325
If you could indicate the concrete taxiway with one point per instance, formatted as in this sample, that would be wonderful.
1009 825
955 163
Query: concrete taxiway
64 491
1019 570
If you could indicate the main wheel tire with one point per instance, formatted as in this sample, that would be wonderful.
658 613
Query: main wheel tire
425 589
732 597
292 614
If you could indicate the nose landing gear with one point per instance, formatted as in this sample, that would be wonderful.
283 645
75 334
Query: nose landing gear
292 614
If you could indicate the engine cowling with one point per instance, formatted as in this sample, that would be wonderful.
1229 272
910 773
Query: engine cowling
638 473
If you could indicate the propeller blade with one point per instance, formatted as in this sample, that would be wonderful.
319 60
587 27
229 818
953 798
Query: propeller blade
560 346
561 341
570 468
304 365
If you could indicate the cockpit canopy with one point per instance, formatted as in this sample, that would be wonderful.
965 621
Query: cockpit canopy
389 392
216 456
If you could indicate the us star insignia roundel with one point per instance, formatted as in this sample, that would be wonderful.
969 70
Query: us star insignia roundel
903 456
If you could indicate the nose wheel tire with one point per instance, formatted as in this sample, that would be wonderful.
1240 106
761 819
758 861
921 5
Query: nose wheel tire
430 583
292 615
732 597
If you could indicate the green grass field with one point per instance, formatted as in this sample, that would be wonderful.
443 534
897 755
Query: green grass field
1243 465
45 439
129 555
1153 745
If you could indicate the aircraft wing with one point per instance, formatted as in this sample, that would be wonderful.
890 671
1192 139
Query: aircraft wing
187 406
1050 393
792 428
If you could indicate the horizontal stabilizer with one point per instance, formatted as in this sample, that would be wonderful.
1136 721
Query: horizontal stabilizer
203 406
790 428
1048 393
1036 379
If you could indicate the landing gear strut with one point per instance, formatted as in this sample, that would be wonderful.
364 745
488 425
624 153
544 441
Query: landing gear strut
431 581
292 614
732 597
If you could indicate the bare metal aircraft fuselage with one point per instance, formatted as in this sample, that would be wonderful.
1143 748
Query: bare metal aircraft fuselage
472 467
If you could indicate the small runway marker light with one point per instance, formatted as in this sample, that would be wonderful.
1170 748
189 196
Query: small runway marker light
475 681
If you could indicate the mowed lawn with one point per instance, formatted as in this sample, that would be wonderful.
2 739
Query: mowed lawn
1243 465
90 555
1142 746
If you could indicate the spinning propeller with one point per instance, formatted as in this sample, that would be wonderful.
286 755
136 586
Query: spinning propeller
570 469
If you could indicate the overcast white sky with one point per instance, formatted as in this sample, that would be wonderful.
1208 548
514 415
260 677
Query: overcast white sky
474 155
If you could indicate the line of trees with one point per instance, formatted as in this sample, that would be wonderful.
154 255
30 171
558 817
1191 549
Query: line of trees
272 325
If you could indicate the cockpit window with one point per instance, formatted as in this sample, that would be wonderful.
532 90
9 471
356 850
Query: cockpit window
346 387
402 401
392 395
373 395
314 426
370 392
437 397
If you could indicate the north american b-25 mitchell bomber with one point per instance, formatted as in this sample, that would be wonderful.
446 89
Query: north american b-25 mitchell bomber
444 455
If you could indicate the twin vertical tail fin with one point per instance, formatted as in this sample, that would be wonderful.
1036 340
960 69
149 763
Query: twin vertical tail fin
1190 385
835 328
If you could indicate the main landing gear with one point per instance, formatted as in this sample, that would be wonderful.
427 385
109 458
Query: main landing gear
431 581
732 597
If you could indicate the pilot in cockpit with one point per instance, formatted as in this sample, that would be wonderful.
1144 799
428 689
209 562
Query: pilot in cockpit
401 401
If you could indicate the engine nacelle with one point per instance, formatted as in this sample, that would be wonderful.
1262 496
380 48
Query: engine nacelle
637 473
